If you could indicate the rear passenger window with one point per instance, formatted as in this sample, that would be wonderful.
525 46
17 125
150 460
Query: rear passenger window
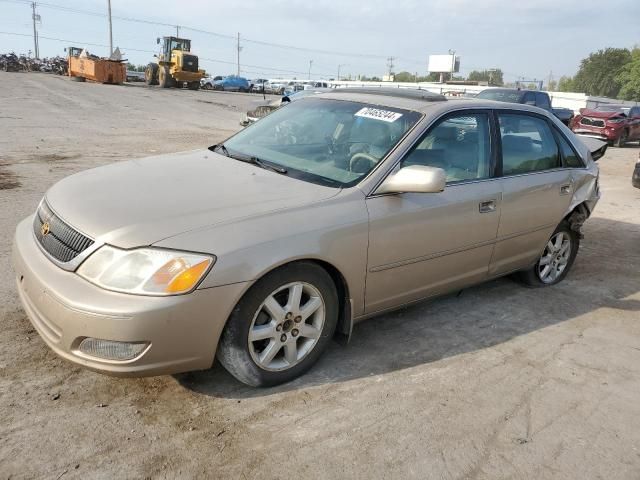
460 145
571 160
528 145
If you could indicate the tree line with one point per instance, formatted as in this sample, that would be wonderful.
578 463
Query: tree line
612 72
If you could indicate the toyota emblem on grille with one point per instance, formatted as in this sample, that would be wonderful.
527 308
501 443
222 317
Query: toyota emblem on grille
44 229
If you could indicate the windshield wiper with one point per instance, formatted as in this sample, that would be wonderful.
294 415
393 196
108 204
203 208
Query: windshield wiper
254 160
267 166
221 147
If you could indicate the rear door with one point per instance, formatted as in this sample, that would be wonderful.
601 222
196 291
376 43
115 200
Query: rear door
424 244
536 188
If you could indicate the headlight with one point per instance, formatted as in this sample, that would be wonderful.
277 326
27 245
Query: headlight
145 271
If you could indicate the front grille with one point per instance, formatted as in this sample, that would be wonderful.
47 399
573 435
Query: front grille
57 238
592 122
190 63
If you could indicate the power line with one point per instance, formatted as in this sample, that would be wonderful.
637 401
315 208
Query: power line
206 32
214 60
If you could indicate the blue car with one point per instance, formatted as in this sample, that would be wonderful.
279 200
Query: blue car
232 83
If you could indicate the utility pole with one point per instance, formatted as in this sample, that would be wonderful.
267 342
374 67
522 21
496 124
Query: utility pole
238 49
178 31
390 66
453 62
339 67
310 65
35 17
110 30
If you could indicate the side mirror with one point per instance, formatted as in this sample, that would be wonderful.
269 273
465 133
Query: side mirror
415 179
158 40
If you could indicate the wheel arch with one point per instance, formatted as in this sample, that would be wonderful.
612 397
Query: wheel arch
345 310
577 216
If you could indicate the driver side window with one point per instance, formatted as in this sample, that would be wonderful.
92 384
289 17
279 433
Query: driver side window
459 144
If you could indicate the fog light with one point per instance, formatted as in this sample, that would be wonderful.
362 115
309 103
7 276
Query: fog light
111 350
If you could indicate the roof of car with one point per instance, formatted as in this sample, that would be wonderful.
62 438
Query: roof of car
523 90
423 101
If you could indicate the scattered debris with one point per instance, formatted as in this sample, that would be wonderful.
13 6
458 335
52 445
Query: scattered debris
56 396
102 405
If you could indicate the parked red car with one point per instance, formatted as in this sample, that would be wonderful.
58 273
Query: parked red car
616 124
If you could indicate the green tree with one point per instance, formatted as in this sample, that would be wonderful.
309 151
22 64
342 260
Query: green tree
493 76
598 74
629 78
136 68
404 77
566 84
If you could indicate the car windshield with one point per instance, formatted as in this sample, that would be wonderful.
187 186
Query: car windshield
500 95
330 142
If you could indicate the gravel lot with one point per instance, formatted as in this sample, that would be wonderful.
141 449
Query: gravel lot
501 382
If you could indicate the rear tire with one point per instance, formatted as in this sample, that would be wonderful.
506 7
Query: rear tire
193 85
556 259
151 74
292 329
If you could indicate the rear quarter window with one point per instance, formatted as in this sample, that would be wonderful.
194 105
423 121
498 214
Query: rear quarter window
571 158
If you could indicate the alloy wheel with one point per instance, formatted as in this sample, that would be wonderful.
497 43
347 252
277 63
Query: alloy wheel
555 258
287 326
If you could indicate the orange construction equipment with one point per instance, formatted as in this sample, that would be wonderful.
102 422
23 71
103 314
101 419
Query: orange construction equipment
90 67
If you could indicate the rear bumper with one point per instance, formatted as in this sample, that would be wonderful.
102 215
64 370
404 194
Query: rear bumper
184 76
182 331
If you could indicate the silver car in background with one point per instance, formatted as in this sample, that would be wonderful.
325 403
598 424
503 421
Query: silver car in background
338 207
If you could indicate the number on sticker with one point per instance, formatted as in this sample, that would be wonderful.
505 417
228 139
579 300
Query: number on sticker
378 114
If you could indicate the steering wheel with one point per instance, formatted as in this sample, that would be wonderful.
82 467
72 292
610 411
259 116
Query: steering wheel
362 159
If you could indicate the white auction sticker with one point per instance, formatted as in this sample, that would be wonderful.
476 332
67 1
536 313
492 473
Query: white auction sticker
378 114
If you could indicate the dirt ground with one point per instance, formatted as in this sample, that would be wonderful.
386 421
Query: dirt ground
501 382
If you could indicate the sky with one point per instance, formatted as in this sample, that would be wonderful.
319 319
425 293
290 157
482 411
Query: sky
525 38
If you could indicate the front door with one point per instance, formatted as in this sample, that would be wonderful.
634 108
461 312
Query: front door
422 245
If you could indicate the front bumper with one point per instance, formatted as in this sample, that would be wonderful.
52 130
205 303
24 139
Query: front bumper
182 331
601 134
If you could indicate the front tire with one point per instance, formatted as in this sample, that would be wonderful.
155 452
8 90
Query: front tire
621 140
556 259
151 74
281 326
165 79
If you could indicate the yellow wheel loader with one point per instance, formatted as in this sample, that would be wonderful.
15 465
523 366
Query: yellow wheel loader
175 65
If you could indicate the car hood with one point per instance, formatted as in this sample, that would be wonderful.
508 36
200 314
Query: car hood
600 114
140 202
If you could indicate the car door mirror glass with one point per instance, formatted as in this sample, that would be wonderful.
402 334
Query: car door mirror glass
415 179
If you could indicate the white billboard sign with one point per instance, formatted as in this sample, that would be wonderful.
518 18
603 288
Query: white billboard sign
443 64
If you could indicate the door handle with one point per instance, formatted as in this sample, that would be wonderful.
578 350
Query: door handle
565 189
488 206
